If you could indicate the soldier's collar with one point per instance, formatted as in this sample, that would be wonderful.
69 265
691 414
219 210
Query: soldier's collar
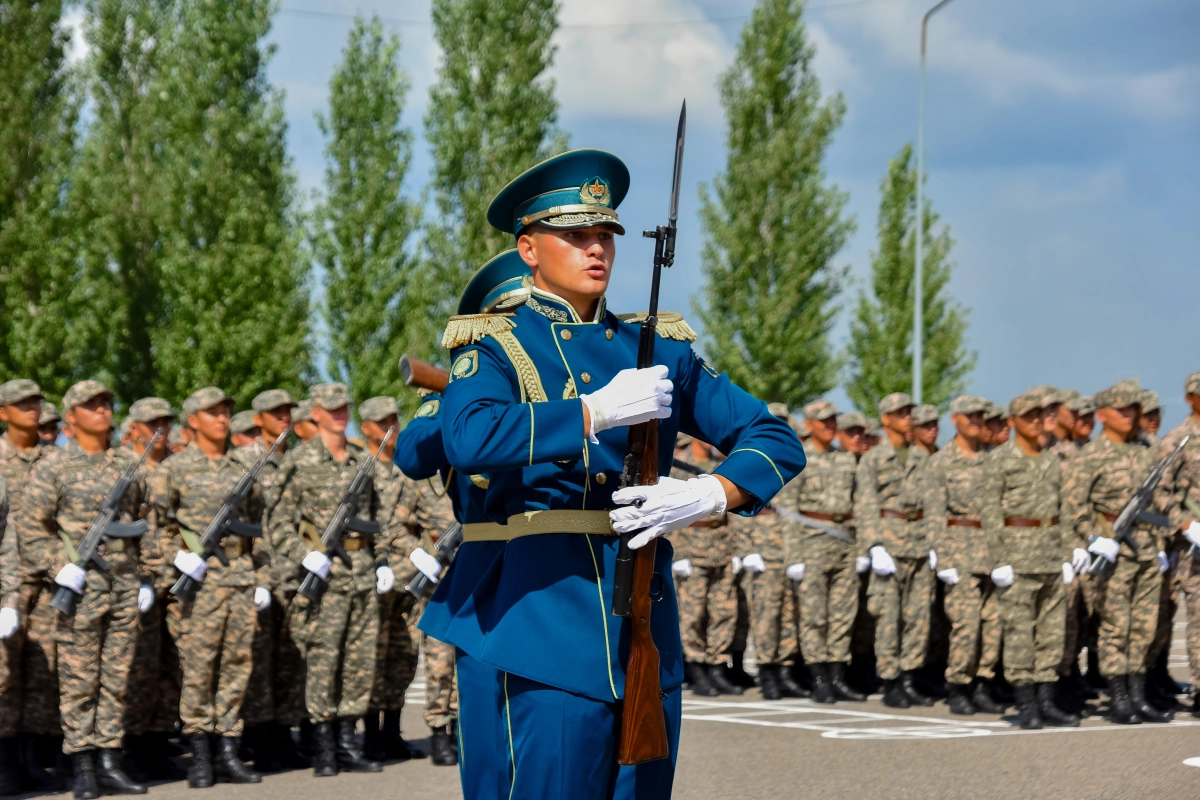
555 309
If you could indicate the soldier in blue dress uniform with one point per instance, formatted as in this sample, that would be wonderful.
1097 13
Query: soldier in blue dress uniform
539 401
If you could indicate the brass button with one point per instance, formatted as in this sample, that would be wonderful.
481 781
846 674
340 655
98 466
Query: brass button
608 334
565 334
587 377
601 478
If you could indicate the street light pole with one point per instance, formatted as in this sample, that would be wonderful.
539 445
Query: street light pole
918 382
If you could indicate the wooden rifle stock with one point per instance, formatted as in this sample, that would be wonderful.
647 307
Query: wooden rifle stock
422 375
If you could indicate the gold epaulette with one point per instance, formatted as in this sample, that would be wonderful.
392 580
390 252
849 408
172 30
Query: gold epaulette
470 328
671 325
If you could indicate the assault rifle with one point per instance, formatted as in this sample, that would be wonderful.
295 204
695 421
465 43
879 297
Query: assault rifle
643 724
224 522
344 520
445 550
423 375
103 526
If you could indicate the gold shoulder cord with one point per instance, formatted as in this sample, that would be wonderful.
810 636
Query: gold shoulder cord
527 374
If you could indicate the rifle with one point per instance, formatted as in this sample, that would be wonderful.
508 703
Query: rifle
446 549
65 600
686 467
1135 507
223 522
423 375
344 520
643 724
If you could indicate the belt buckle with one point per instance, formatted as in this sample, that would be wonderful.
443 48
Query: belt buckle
839 518
911 516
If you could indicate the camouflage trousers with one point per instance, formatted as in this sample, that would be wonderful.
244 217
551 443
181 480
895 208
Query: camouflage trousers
1033 609
1127 605
1081 620
343 627
259 706
743 589
215 634
1189 580
900 604
708 613
39 662
773 613
1172 587
396 651
153 705
10 683
441 687
95 650
973 610
289 666
828 603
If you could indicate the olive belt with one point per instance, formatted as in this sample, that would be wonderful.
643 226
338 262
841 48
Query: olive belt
909 516
533 523
963 522
1030 522
821 515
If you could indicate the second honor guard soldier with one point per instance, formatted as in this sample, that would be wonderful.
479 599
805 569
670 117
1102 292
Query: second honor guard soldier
540 401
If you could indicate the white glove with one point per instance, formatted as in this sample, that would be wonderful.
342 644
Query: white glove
9 622
632 396
72 577
318 564
191 565
1192 533
795 572
384 579
1068 573
862 564
682 567
736 564
1105 547
1080 560
881 561
430 567
933 560
948 576
754 563
1003 576
666 506
262 598
145 598
1164 563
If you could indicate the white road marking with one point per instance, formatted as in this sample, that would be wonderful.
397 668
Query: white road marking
1191 762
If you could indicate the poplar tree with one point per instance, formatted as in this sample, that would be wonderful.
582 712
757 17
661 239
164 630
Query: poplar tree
879 356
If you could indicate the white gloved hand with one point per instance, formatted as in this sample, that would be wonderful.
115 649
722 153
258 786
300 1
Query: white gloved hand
881 561
795 572
262 598
9 622
933 560
736 564
1106 547
191 565
384 579
145 599
948 576
1164 563
754 563
1192 533
632 396
430 567
72 577
318 564
669 505
1003 576
682 568
1068 573
862 564
1080 560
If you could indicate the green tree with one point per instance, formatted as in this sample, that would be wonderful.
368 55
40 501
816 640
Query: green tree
772 223
360 230
879 357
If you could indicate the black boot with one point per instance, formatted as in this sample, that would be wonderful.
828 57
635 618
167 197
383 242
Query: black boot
958 700
442 750
768 680
1028 715
373 737
10 773
788 683
324 754
1122 711
200 771
33 777
701 685
981 698
163 768
1137 697
1196 703
291 755
110 777
261 739
349 757
894 695
1050 711
737 671
393 743
84 787
822 689
908 682
716 676
841 689
229 767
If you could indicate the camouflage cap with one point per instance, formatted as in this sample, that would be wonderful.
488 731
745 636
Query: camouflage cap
778 410
1191 384
270 399
894 402
1048 393
125 426
1082 405
242 422
924 414
329 395
820 409
49 413
203 399
303 412
150 408
851 419
873 427
968 404
17 390
1150 402
1120 395
82 392
800 430
378 408
175 437
994 411
1026 402
1067 395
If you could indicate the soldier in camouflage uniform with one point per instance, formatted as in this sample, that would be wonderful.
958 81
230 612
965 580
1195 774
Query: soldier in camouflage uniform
48 424
888 514
341 628
95 644
214 630
995 424
302 422
243 431
1151 419
10 623
925 424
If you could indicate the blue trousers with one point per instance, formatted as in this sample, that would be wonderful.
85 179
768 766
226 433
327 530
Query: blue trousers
523 739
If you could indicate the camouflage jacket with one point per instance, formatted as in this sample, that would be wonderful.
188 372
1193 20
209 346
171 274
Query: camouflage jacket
762 534
707 546
16 467
1101 480
310 486
1066 449
1019 485
883 483
187 491
268 478
62 498
10 564
1183 481
828 485
419 512
952 483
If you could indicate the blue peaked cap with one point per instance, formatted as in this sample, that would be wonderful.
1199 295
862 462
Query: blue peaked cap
502 282
576 189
